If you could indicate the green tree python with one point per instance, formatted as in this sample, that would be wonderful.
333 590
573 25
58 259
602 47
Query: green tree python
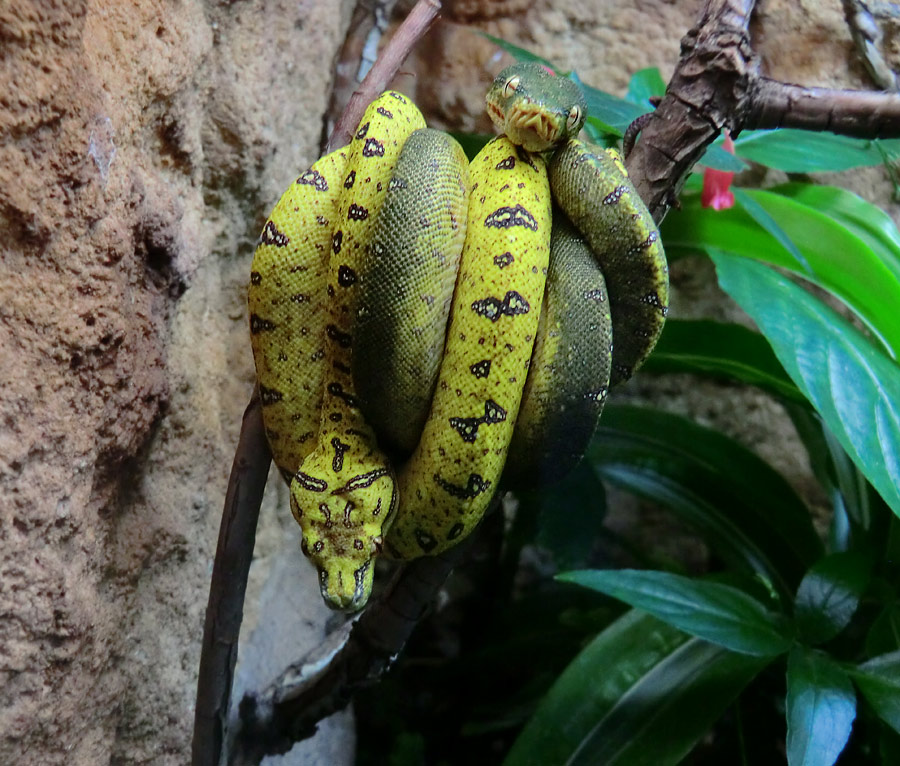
424 328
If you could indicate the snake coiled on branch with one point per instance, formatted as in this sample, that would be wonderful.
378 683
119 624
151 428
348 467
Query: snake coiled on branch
425 329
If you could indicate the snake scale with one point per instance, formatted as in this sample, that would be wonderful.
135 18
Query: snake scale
425 329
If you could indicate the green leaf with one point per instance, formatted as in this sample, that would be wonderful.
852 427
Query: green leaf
821 706
839 261
748 514
519 54
718 613
759 214
863 219
640 693
589 688
854 387
879 681
644 85
803 151
829 594
717 158
614 112
884 634
727 350
569 515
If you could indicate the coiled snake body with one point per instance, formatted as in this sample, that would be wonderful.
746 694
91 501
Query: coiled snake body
418 333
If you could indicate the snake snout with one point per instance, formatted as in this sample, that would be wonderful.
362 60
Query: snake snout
533 127
344 590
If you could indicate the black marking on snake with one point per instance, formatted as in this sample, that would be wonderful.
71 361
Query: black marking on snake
397 183
426 541
330 290
357 212
456 530
363 129
377 508
512 304
373 148
336 389
358 544
348 181
646 244
504 260
398 96
314 178
614 196
506 217
282 357
269 395
258 324
271 236
341 338
599 395
321 220
385 113
342 367
299 298
474 487
255 278
595 295
346 276
652 299
335 417
348 509
467 428
318 546
337 462
481 369
310 482
336 239
361 481
317 355
508 164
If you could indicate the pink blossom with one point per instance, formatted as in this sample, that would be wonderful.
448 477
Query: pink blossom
716 192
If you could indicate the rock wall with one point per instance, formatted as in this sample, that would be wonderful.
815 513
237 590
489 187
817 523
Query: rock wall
141 146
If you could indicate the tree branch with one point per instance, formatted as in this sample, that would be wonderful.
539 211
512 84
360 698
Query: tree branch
225 608
860 113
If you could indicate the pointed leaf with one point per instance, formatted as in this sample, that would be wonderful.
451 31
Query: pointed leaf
803 151
728 350
840 262
746 511
821 706
829 594
879 681
853 386
717 613
640 693
644 85
589 688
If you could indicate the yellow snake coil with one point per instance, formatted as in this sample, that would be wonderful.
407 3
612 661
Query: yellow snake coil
420 336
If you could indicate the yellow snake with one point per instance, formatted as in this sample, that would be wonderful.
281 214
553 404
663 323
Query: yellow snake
419 335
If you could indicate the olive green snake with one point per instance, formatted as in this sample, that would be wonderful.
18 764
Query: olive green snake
425 329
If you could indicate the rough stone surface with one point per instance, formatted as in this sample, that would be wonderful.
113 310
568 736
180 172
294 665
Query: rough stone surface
141 146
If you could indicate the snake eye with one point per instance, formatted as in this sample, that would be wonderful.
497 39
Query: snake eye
574 117
511 86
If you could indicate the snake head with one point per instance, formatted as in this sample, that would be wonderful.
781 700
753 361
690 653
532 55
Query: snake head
534 108
343 529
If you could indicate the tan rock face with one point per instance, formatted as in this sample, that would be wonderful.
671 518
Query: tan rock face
141 147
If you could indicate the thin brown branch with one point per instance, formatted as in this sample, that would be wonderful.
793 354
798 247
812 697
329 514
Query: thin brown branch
225 607
382 72
860 113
